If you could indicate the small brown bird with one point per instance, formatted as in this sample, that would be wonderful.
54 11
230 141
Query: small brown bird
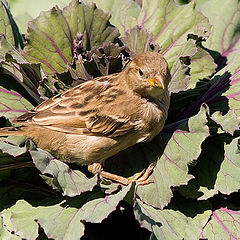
97 119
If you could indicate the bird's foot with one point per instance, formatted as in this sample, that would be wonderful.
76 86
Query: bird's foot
140 178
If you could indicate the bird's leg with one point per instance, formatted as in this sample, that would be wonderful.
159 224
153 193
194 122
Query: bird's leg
141 178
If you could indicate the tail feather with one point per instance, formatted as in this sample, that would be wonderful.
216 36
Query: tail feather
12 131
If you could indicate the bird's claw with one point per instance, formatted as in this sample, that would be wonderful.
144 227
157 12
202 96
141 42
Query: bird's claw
140 178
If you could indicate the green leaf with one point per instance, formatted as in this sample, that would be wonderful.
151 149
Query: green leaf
228 176
218 167
233 92
27 75
224 224
12 103
18 219
9 27
49 41
95 28
5 234
138 41
202 66
169 224
179 71
224 33
7 47
12 149
225 90
65 219
162 18
18 38
104 205
206 193
67 223
224 43
5 25
70 182
228 122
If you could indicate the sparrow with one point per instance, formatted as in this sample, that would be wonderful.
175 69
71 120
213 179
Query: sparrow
99 118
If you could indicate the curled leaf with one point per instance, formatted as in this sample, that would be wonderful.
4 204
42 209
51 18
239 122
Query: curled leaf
70 182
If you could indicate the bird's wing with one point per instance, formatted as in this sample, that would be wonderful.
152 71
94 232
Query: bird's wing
111 126
80 111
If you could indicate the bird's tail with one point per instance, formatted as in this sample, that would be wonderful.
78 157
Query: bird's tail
12 131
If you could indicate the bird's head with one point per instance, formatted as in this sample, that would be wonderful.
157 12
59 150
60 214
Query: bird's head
148 75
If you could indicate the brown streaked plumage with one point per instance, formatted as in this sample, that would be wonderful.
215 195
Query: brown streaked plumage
97 119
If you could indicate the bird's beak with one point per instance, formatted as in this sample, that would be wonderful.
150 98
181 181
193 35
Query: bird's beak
156 81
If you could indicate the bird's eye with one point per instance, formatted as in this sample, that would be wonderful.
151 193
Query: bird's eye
140 72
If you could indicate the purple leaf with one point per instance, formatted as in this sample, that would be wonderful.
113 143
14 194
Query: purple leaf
56 32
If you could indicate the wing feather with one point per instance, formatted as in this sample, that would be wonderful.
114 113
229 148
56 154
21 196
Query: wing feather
109 125
79 111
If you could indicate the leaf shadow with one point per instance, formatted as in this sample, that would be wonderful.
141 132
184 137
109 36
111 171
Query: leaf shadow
3 122
185 104
31 188
189 207
209 162
121 224
206 169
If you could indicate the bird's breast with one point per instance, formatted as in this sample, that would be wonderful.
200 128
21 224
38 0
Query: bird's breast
153 119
